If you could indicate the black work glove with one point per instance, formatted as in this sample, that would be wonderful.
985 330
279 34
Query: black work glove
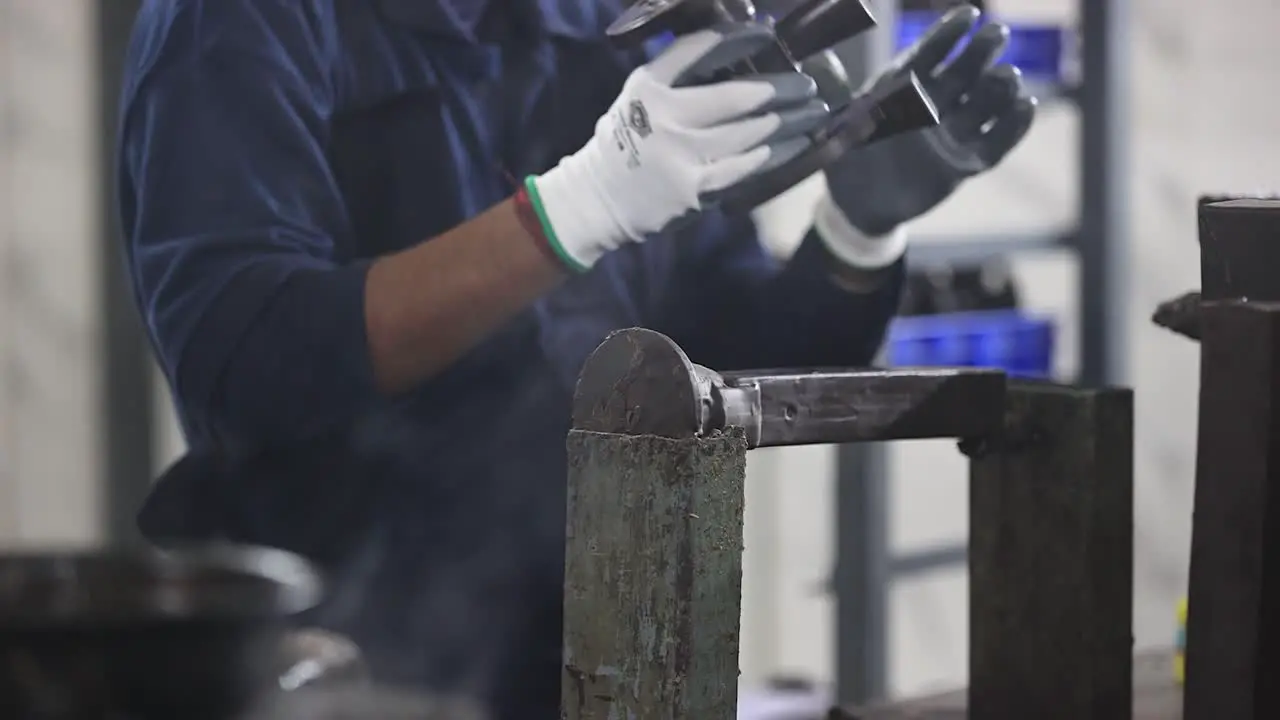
985 112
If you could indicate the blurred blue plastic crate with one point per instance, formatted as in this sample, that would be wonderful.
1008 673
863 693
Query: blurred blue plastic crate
1039 51
1008 340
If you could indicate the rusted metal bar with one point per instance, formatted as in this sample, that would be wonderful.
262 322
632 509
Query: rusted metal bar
839 406
1051 558
639 382
1233 626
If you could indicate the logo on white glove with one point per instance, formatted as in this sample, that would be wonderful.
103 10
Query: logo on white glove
640 119
631 125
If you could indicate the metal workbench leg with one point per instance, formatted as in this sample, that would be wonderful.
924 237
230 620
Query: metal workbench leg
653 576
862 573
1233 628
1051 558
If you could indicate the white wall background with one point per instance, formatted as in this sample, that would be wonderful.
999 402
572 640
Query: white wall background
48 274
1203 119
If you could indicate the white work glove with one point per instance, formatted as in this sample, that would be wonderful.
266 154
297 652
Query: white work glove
667 145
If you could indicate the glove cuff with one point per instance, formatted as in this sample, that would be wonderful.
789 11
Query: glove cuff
576 218
852 246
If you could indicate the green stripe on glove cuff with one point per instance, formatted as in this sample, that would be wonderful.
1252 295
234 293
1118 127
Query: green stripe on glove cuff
536 200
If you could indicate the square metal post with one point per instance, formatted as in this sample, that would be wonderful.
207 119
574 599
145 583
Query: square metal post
1233 628
1233 624
1051 558
653 576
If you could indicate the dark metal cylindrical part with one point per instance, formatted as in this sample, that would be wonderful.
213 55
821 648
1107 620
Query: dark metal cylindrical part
694 15
720 11
1240 249
817 25
645 19
821 406
891 109
809 29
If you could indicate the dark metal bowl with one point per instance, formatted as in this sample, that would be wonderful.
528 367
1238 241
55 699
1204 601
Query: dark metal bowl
181 633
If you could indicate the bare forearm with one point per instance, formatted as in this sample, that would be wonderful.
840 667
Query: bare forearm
427 306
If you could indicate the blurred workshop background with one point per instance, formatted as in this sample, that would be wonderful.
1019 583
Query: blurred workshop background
855 569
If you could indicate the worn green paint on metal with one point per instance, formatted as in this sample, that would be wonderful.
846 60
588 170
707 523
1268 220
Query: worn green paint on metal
653 577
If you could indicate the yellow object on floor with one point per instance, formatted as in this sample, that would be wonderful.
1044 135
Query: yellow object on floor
1180 644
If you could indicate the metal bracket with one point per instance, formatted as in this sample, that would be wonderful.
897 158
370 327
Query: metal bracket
639 382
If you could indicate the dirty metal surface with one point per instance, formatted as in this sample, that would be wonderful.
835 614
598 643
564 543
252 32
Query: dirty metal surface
653 576
1155 697
1051 558
638 382
1233 639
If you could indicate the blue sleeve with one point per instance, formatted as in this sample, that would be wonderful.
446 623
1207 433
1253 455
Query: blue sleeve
736 307
230 211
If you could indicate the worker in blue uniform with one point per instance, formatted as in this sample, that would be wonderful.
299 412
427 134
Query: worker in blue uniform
374 240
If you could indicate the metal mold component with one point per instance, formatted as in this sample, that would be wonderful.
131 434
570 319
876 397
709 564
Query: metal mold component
807 30
1232 636
645 19
889 110
639 382
657 466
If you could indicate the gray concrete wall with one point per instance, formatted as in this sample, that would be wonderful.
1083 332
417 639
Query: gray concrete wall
49 340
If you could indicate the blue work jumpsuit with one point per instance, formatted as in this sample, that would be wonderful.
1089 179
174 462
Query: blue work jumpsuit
269 149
